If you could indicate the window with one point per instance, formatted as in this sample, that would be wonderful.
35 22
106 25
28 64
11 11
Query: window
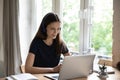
76 24
87 26
43 7
101 33
71 29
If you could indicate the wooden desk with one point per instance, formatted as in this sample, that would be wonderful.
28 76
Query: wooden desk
93 76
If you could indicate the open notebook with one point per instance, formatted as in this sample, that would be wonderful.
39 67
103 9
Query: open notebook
73 67
24 76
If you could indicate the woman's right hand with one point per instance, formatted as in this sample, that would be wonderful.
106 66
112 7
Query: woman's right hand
57 68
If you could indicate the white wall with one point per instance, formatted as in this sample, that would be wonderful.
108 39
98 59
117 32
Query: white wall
1 41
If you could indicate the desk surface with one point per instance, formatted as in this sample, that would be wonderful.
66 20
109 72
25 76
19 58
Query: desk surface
94 76
115 76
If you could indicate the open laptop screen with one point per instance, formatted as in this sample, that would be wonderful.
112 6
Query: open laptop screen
75 66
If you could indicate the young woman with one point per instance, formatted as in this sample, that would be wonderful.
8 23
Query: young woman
46 47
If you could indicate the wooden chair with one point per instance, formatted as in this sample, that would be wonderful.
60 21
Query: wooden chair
22 68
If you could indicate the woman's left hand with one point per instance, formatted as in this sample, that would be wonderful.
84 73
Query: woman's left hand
57 68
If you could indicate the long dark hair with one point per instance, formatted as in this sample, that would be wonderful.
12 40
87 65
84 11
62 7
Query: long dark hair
42 32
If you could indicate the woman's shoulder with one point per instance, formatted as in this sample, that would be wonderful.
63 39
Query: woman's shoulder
36 40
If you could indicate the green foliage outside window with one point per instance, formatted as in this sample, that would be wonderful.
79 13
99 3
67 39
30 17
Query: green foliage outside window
71 24
101 33
102 37
102 27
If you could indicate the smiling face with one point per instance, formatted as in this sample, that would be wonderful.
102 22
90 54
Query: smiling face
53 29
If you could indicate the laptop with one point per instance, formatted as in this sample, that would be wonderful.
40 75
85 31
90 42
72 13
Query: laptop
74 67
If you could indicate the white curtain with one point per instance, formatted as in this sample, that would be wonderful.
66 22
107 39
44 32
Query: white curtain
31 14
12 57
27 25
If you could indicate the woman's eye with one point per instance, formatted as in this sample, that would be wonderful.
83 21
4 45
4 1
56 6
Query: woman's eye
56 29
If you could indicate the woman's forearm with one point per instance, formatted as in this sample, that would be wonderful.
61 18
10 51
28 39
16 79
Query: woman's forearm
38 70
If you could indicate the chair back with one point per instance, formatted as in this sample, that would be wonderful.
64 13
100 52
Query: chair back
22 68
